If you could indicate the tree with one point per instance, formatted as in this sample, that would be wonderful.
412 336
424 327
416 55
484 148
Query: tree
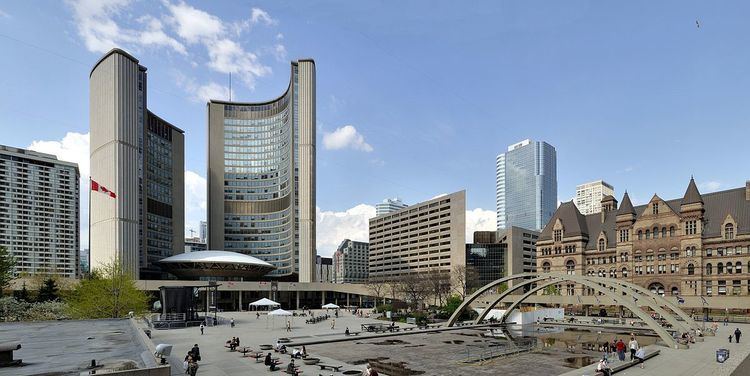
377 288
465 279
415 288
7 265
48 291
439 285
109 292
551 290
23 294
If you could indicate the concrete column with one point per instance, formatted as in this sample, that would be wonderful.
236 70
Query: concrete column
297 295
360 301
240 292
322 298
347 299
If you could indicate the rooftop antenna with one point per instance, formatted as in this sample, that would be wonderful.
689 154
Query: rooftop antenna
230 86
191 232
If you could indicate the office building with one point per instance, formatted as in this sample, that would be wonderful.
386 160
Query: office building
496 254
526 185
589 196
697 245
351 262
425 237
203 231
139 157
194 245
324 271
389 205
40 212
261 177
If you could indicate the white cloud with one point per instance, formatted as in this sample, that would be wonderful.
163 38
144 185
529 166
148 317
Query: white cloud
709 186
95 20
260 15
6 15
279 36
195 200
201 93
479 220
346 137
73 147
333 226
225 55
279 51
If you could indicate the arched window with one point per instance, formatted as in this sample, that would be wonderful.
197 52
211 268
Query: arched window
709 269
624 272
545 267
738 267
719 268
570 267
648 234
656 232
671 231
675 291
730 268
640 234
657 288
663 232
691 269
601 245
612 273
729 231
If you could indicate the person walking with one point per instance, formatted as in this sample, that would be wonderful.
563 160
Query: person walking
231 322
737 334
257 315
620 350
196 352
726 321
633 345
202 326
288 326
192 368
641 356
333 323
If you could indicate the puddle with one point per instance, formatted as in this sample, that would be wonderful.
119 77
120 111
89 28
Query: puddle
454 342
578 361
390 342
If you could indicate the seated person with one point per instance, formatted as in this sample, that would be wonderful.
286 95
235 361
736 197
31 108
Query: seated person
282 349
296 353
346 332
272 367
268 360
291 369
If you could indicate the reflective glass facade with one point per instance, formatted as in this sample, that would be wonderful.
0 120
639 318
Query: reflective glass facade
255 171
488 260
526 185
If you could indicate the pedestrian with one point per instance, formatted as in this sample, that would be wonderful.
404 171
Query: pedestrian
730 338
726 321
231 322
605 347
196 352
367 371
641 356
192 367
737 334
288 326
633 345
202 326
620 350
333 323
257 315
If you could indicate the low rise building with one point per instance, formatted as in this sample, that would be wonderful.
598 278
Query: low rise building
496 254
351 262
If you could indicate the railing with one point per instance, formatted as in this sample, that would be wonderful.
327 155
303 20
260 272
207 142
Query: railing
488 351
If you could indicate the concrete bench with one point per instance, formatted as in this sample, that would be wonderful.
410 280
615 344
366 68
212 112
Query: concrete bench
632 363
6 354
329 366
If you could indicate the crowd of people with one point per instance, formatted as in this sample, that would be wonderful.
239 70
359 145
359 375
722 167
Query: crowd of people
191 360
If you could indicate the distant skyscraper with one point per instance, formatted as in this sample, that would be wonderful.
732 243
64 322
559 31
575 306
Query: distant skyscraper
140 157
261 177
39 212
324 269
526 185
389 205
203 231
589 196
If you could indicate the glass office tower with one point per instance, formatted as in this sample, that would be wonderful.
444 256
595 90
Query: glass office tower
261 177
526 185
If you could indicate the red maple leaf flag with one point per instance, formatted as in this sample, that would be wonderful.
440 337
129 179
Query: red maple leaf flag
100 188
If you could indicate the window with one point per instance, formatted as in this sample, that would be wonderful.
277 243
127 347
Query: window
640 235
558 235
655 208
709 269
648 234
738 267
709 288
671 231
719 268
709 252
601 245
736 287
624 235
722 287
663 232
570 267
690 228
691 269
729 231
656 232
674 268
656 288
675 291
625 272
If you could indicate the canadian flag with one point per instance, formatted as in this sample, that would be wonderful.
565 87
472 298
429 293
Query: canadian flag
100 188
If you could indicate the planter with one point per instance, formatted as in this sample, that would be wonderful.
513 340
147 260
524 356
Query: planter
352 372
311 361
265 347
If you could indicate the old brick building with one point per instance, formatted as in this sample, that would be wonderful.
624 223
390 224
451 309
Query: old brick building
695 245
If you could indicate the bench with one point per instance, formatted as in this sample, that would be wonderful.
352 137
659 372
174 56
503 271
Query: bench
332 367
627 364
6 354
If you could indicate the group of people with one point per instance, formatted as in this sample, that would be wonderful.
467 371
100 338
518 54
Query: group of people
273 365
737 335
191 360
619 347
233 343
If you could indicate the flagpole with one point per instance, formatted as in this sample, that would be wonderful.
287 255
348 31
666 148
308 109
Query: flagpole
89 255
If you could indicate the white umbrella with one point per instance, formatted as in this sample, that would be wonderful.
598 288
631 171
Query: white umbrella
330 306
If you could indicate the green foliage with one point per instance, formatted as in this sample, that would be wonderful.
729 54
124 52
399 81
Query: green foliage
110 292
502 287
23 294
551 290
7 264
48 292
451 305
384 308
12 309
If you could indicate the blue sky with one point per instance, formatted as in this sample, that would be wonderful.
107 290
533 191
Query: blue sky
414 98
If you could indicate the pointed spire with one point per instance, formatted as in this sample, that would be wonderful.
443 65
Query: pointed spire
626 207
692 196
